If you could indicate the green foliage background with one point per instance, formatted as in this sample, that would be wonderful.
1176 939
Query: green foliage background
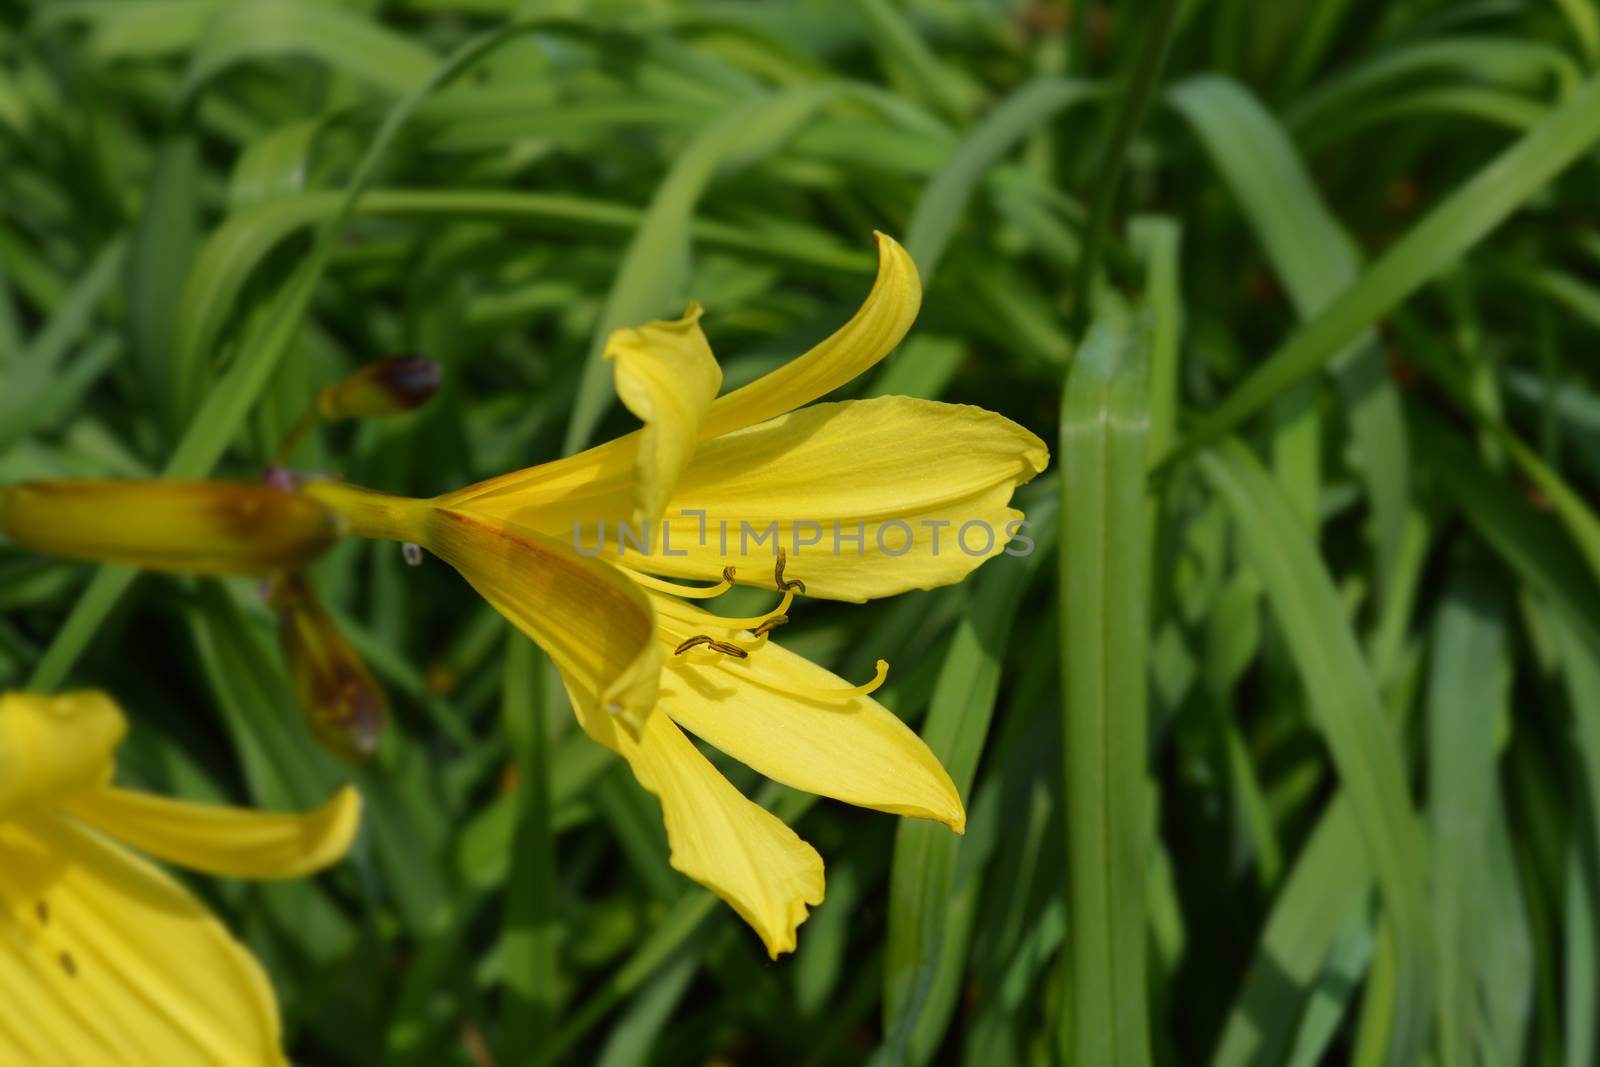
1329 269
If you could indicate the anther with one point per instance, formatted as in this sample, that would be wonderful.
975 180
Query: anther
770 625
728 572
777 576
712 645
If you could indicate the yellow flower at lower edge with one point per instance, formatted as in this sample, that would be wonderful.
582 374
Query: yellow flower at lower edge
642 665
104 958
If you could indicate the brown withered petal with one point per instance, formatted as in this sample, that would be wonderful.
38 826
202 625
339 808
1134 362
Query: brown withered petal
180 527
389 386
343 703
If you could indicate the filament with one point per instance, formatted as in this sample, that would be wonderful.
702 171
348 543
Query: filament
861 690
757 621
688 592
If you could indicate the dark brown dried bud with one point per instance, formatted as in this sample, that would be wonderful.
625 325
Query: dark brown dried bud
390 386
343 703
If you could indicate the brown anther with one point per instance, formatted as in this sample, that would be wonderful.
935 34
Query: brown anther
770 625
42 910
715 646
69 964
728 573
777 576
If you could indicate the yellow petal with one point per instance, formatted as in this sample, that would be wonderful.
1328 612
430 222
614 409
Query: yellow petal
105 959
732 846
593 622
872 333
176 526
665 374
868 498
235 842
51 746
763 711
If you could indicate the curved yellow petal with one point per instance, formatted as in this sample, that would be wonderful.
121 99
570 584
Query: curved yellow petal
764 712
868 498
729 844
595 624
235 842
105 959
665 374
51 746
592 621
872 333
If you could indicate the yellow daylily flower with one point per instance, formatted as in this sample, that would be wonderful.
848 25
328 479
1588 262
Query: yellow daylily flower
642 665
104 958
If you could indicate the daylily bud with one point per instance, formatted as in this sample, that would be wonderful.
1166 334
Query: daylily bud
343 703
390 386
179 527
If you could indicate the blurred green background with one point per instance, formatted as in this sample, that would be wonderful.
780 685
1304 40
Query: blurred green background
1324 691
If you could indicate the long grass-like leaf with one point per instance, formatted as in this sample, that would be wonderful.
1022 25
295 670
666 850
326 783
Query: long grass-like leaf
1317 262
1104 575
1471 213
1350 715
1469 686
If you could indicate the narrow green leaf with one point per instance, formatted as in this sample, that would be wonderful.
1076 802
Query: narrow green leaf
1104 590
30 377
1438 241
1317 261
529 928
919 957
1349 713
1468 695
341 38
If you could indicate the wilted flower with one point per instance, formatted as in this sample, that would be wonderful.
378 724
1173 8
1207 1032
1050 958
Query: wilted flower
343 703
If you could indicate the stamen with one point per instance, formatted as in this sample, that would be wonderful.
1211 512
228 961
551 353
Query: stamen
772 623
688 592
757 620
697 639
712 645
843 694
777 576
